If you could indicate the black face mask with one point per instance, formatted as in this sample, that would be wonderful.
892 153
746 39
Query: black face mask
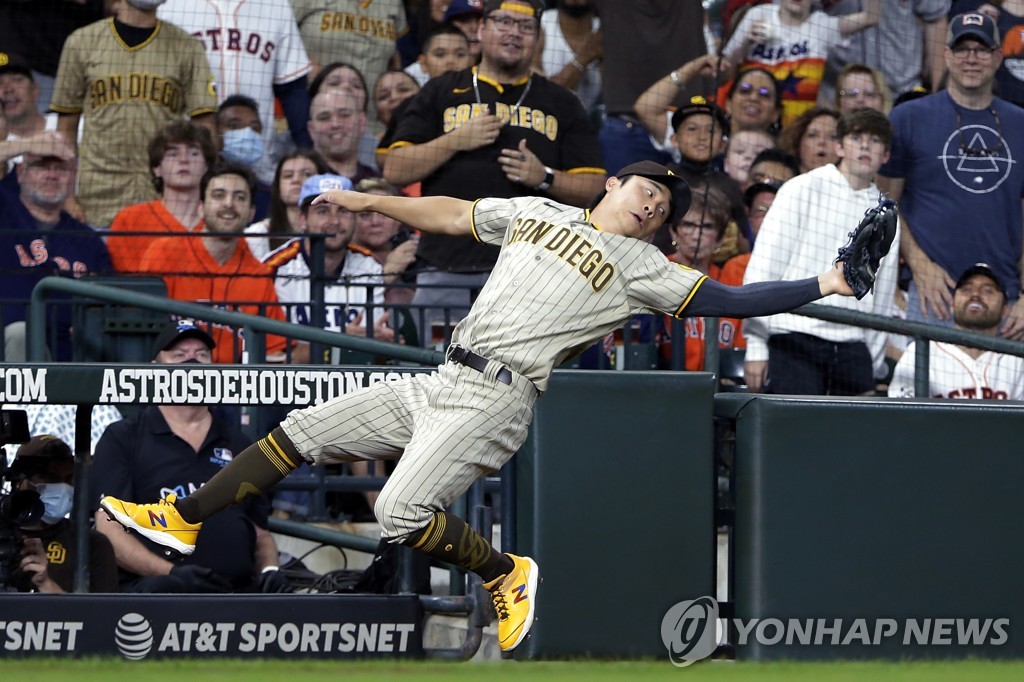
577 11
190 361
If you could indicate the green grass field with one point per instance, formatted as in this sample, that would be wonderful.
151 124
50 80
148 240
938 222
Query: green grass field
110 670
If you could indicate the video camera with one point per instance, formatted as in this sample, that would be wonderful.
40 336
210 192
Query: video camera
18 508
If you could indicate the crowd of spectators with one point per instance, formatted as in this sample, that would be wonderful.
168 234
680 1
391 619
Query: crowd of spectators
124 111
167 139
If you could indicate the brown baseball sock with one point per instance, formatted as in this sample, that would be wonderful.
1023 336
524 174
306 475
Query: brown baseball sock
255 469
449 538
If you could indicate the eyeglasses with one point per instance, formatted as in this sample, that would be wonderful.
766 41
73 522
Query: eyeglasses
691 226
980 53
982 151
507 23
748 89
855 92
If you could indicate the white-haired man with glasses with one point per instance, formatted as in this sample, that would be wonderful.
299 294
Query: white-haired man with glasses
953 170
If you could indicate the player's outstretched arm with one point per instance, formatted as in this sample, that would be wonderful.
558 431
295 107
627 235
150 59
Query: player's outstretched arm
765 298
834 282
439 215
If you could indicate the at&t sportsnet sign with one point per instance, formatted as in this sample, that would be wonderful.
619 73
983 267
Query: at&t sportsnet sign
691 631
196 626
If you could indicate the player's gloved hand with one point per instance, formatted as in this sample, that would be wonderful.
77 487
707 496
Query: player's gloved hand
273 581
199 579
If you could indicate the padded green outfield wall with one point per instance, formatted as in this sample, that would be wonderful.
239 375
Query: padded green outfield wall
907 515
616 503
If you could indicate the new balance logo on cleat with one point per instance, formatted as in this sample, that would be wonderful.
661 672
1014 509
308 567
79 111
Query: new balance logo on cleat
512 603
520 594
154 519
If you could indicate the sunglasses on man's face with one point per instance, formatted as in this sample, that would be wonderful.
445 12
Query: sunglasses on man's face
749 89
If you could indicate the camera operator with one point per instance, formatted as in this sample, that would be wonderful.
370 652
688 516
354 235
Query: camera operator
46 466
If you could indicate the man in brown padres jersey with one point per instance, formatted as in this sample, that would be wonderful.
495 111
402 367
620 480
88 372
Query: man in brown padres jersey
128 76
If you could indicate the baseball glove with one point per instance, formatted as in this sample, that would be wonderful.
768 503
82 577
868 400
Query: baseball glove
868 243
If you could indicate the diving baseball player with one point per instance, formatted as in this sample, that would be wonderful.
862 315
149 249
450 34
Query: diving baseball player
979 304
565 277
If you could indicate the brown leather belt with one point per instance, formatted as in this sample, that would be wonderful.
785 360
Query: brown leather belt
466 357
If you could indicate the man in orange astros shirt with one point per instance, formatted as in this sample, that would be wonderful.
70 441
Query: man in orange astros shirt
215 266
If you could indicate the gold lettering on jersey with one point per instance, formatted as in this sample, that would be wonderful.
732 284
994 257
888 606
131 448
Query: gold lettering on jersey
146 87
518 117
530 230
568 246
380 29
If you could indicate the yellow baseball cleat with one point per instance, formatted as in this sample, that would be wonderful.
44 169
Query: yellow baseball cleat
158 522
514 596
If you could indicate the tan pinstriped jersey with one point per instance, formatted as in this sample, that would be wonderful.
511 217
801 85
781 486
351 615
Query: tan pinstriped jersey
560 284
125 95
359 32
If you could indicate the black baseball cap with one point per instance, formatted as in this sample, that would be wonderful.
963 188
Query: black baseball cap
677 186
12 63
177 331
537 6
699 105
973 25
770 185
981 269
459 8
35 457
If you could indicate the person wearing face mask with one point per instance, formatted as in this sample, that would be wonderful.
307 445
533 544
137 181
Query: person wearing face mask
127 77
240 138
45 465
176 449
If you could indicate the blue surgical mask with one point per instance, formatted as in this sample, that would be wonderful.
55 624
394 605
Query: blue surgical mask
57 500
244 146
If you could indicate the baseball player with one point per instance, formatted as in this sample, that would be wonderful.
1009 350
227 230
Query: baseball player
565 277
979 305
254 49
128 76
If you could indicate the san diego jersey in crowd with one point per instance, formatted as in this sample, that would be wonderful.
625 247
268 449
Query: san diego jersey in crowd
955 374
345 295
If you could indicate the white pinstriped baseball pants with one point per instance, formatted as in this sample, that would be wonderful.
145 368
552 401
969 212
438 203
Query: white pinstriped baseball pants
454 426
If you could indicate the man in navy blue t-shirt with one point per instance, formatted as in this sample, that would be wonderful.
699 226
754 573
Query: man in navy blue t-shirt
38 238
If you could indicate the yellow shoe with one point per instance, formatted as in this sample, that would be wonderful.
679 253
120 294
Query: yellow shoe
514 596
158 522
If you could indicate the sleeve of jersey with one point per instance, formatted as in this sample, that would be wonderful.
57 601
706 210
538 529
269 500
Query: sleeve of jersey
896 166
69 88
490 218
732 49
291 60
656 283
580 150
419 123
902 384
202 91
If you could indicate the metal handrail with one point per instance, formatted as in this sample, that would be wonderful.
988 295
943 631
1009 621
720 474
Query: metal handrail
37 321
